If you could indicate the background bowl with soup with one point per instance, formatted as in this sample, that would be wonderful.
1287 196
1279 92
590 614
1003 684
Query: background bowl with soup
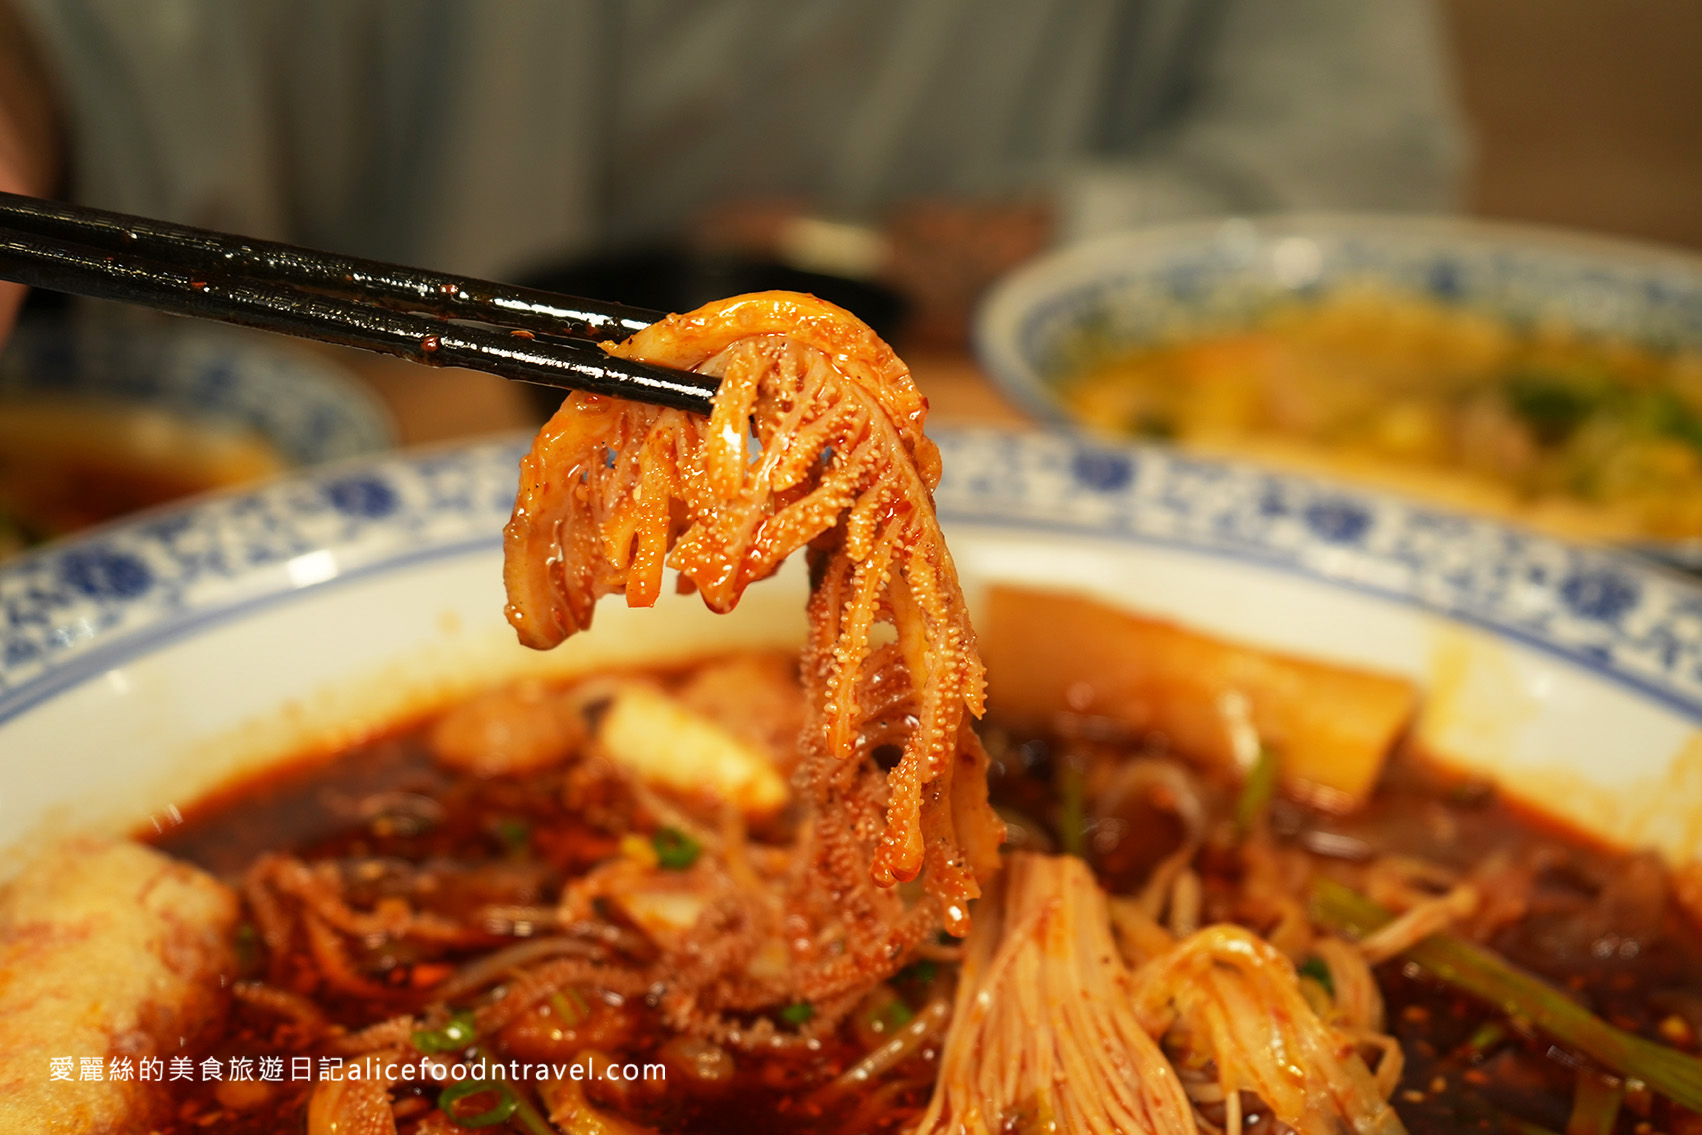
100 420
1533 375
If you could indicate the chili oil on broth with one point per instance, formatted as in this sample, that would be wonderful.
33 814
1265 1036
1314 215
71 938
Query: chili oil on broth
492 844
1585 436
68 464
492 836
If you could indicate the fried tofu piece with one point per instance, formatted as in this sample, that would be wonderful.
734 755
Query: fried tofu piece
755 696
669 746
1330 726
108 949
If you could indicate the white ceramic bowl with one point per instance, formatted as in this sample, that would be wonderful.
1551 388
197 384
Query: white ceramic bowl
148 661
1153 284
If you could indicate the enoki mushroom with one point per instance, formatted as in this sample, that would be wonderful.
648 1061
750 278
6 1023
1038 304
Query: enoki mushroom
1227 996
1044 1035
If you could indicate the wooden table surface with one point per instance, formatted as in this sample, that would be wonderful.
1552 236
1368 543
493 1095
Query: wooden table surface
438 405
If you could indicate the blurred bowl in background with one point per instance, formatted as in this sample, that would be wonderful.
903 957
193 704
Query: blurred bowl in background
1521 372
100 420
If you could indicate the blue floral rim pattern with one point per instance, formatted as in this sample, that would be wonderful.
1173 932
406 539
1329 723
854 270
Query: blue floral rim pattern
105 597
309 410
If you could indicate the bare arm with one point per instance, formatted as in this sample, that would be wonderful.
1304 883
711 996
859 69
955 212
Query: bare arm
30 152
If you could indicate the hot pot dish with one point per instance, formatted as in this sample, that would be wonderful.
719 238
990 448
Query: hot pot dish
1084 871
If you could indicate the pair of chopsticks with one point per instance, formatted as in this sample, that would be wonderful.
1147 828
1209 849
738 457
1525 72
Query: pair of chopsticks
428 317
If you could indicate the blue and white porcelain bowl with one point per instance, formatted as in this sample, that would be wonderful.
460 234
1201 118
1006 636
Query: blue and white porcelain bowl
1039 324
148 662
307 410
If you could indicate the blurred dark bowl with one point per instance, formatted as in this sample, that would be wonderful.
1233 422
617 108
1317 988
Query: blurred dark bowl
673 279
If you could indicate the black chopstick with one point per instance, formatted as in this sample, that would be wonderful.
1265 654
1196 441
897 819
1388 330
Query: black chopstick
182 271
366 281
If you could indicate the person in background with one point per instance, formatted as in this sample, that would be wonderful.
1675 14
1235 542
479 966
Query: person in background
30 139
934 143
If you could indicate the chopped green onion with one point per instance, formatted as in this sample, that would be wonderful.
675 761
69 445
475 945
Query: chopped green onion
1595 1103
1316 969
564 1012
889 1015
529 1116
1552 405
514 1096
798 1013
1256 793
515 835
247 947
17 534
1485 975
571 1007
456 1034
1484 1039
922 971
1155 426
505 1105
675 850
895 1014
1672 417
1072 808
